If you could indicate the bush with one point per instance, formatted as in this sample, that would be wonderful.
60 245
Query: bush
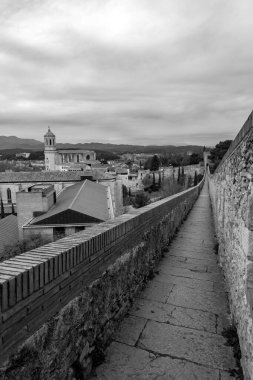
23 246
140 200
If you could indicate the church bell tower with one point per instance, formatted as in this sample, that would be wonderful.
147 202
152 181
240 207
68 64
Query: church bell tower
50 151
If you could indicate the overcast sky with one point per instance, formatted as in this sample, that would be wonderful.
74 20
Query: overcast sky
126 71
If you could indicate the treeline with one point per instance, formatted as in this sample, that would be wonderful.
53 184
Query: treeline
153 163
11 155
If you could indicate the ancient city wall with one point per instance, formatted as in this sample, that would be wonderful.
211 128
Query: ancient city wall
231 194
61 303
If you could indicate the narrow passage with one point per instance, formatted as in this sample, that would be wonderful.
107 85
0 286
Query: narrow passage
173 330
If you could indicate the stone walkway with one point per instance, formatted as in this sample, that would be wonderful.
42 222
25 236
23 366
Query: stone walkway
173 330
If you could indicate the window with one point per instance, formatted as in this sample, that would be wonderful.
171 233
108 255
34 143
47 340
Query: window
79 228
59 232
87 157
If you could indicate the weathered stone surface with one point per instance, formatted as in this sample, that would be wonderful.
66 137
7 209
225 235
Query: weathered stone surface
192 253
130 330
174 315
157 290
231 194
188 282
196 346
198 272
198 299
125 363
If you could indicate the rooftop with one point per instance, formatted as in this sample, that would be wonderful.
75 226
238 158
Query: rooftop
56 176
84 202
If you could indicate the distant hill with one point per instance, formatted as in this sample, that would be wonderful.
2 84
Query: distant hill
17 144
13 142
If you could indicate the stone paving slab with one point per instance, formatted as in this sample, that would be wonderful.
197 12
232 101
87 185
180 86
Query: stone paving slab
196 273
130 330
200 299
125 362
173 331
165 313
192 263
193 252
157 290
197 346
186 281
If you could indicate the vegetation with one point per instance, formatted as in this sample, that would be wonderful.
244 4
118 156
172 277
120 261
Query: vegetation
22 246
2 209
180 159
153 163
217 153
230 333
104 156
140 200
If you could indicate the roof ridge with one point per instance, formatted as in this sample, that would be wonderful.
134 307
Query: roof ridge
79 191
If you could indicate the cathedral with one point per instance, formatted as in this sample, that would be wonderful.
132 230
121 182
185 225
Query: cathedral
66 159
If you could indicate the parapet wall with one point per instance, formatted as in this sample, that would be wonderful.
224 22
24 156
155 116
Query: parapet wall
61 303
231 194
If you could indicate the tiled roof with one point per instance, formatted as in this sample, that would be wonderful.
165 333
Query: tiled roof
100 174
74 151
56 176
8 231
87 198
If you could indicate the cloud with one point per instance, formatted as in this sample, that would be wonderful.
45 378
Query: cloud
126 71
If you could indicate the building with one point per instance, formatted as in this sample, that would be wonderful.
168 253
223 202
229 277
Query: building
23 154
77 207
65 160
12 182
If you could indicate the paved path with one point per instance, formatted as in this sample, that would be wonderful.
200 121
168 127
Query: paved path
173 330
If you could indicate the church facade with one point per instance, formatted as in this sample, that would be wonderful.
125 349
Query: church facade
64 159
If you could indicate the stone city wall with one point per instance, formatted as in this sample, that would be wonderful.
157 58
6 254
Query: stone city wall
231 194
61 303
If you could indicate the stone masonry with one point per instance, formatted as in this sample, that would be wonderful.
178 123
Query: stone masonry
173 330
231 193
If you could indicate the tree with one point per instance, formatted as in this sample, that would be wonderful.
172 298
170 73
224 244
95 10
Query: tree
218 152
159 180
195 158
155 163
195 181
23 246
2 209
140 200
124 191
153 184
189 181
179 174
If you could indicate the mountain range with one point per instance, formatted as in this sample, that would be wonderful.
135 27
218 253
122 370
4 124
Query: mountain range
19 144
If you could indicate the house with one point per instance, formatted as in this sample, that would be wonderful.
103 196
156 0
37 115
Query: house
78 207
